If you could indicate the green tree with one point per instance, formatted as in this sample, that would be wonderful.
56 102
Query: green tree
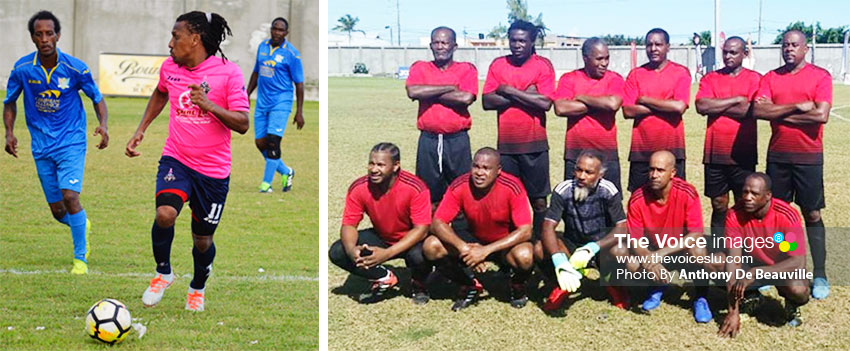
498 31
705 38
619 39
347 24
518 10
833 35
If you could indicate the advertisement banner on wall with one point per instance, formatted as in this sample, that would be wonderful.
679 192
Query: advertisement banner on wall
129 74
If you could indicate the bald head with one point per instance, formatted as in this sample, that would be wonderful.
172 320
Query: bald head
663 158
487 151
794 48
662 169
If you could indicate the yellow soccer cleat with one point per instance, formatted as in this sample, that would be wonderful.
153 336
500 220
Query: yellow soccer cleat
80 267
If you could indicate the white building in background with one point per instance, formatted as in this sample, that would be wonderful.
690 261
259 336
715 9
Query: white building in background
357 39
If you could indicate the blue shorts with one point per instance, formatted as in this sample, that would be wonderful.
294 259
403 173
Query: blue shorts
206 195
61 169
270 122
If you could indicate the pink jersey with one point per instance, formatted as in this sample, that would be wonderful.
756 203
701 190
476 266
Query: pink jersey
197 139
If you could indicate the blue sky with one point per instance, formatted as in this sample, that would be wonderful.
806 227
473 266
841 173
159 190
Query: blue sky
588 18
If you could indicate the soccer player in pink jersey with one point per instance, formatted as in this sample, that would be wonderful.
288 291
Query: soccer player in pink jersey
208 99
796 98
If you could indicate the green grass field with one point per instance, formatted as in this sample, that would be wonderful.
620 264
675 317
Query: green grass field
364 111
245 309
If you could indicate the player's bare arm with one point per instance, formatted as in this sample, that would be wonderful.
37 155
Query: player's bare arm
662 105
457 99
428 92
447 235
570 108
732 106
636 111
102 115
529 98
298 120
494 101
608 103
348 237
252 83
549 239
478 253
155 105
608 241
235 120
10 112
765 109
381 255
819 114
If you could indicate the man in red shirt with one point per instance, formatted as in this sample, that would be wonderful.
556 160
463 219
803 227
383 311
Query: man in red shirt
496 207
444 89
666 206
796 99
519 86
589 97
730 152
655 96
398 204
759 215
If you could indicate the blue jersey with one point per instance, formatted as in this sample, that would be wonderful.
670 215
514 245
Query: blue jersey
54 111
278 70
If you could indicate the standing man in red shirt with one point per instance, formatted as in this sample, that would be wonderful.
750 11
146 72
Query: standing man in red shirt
656 95
444 89
796 99
519 86
730 152
759 215
666 206
589 97
398 204
496 207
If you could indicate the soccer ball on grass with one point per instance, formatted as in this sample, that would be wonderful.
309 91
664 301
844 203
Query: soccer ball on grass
108 321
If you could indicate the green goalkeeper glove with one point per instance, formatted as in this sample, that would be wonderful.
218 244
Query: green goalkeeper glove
583 254
568 278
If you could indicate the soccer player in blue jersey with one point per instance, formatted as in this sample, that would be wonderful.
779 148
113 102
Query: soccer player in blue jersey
276 71
50 81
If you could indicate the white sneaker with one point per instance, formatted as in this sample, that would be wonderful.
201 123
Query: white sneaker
195 300
153 294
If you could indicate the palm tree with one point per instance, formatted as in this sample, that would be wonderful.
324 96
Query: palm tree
518 10
498 32
347 24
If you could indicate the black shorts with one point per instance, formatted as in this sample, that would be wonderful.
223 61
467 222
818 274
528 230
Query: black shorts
497 257
206 195
639 173
440 158
802 184
719 179
612 171
532 169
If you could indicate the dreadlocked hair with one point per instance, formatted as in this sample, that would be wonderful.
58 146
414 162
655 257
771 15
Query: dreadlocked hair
529 27
212 32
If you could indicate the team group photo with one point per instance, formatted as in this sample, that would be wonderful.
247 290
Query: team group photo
525 185
130 122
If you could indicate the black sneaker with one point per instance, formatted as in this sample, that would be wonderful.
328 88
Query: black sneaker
518 296
751 303
467 295
792 314
419 294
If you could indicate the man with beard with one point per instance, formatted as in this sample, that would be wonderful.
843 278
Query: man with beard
666 206
589 97
496 207
730 154
759 215
592 210
655 97
796 99
398 205
444 89
519 87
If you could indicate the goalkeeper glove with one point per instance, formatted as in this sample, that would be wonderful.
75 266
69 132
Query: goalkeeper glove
568 278
582 255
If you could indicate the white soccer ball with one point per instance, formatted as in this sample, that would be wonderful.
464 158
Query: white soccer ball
108 321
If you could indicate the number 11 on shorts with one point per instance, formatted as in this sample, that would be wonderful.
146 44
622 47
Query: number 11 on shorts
215 213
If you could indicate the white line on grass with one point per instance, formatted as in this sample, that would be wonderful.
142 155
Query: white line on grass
840 117
264 277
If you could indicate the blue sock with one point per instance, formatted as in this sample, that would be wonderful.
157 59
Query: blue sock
77 221
268 175
64 220
281 168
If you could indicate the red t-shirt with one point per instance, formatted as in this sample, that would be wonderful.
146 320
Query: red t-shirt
406 204
662 131
595 130
680 215
493 216
435 117
794 143
781 217
730 141
521 131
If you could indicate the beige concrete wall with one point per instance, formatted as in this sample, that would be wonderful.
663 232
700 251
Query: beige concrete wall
90 27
